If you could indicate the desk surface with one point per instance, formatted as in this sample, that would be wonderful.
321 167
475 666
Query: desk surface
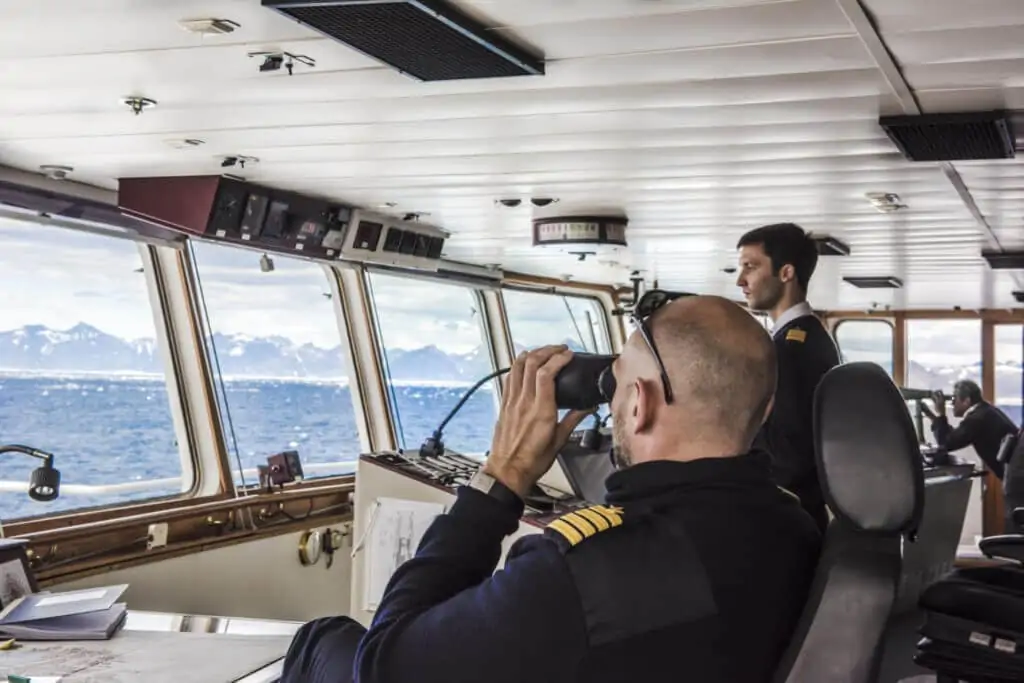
147 636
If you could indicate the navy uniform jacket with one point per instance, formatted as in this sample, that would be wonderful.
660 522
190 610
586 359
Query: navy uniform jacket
983 427
692 571
805 352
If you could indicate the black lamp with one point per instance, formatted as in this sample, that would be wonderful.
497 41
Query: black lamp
45 482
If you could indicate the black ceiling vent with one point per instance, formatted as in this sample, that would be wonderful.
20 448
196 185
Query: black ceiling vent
429 40
830 246
1004 260
878 282
952 137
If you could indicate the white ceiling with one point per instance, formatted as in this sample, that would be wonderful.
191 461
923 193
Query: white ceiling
699 119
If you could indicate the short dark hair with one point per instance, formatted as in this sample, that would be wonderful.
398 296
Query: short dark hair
967 389
786 243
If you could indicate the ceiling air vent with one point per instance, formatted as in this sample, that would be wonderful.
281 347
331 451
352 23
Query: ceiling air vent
429 40
877 282
1004 260
952 137
830 246
1018 297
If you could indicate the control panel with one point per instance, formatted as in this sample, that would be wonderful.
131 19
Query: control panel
389 241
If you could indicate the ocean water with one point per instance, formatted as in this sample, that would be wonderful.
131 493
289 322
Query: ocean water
119 431
113 430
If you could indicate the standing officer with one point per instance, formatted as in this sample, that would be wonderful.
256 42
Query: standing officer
696 568
775 267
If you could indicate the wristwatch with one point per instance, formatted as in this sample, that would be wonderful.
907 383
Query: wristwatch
485 483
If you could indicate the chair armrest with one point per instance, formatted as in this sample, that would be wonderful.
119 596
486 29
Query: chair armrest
1004 547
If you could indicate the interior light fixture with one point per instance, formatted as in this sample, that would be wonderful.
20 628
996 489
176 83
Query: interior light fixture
885 202
209 27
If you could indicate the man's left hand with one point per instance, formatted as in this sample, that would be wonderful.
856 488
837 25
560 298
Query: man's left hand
528 435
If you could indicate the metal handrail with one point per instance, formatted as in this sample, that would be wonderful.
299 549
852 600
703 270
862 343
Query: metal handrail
68 489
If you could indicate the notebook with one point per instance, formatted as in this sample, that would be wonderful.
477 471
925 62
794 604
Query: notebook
87 614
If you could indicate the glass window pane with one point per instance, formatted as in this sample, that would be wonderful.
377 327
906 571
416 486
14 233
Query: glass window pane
939 352
435 349
866 340
537 319
1009 358
279 350
81 375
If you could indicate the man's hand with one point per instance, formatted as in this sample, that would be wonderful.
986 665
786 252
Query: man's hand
528 435
940 403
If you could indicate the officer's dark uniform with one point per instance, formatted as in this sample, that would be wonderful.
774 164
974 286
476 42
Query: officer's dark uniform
692 571
805 352
984 427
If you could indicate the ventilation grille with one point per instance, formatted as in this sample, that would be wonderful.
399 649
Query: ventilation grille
952 137
427 39
1004 260
879 282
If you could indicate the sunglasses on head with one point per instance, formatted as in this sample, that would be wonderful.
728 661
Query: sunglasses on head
648 305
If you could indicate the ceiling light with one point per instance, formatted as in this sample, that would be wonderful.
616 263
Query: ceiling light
830 246
137 104
56 172
209 27
875 282
885 202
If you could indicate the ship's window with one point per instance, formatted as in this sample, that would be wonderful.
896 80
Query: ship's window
537 319
276 351
939 352
433 351
1009 361
866 340
82 374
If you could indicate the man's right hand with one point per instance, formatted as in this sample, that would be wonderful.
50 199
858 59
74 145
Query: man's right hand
528 435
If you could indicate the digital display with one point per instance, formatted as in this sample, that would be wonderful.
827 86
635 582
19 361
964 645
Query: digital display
255 213
277 217
393 240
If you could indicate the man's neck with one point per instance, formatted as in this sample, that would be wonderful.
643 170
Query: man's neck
787 302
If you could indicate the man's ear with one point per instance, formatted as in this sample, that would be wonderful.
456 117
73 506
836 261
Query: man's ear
643 406
787 272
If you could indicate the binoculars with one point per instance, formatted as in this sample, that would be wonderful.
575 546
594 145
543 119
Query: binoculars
585 382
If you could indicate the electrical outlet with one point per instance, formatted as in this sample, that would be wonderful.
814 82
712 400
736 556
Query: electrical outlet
157 536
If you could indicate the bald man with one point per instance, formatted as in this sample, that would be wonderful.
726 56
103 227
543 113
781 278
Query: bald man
695 569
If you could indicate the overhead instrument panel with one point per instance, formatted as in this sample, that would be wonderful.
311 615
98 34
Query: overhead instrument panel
233 210
387 240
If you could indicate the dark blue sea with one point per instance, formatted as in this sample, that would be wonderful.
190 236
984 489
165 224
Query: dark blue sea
118 431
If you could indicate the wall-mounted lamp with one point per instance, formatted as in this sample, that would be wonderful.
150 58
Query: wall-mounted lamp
44 484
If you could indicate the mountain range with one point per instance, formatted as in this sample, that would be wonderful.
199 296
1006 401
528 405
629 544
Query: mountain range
84 348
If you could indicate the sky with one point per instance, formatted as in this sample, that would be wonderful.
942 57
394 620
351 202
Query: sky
57 277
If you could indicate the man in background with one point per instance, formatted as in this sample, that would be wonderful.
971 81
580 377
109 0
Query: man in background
775 267
983 426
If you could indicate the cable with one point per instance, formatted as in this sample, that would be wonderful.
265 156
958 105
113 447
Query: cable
212 346
433 446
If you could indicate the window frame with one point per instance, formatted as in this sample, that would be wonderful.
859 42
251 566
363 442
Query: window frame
892 338
614 341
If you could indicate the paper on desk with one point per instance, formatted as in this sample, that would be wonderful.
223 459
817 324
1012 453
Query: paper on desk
395 533
147 656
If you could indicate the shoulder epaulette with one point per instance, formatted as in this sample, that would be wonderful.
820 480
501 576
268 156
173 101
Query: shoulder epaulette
797 335
573 528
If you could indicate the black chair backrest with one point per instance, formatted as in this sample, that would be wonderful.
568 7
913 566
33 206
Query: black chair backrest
872 477
1011 454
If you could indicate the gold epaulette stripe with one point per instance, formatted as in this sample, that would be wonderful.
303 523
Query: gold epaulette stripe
578 525
566 530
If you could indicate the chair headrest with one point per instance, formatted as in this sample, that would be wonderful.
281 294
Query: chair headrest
1007 447
869 460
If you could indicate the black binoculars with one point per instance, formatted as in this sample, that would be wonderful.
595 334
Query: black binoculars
585 382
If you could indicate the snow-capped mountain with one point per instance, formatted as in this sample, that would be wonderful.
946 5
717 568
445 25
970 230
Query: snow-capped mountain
84 348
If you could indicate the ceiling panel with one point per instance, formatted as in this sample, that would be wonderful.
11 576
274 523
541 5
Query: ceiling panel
699 119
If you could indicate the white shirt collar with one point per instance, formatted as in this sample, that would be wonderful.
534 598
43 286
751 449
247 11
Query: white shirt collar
969 410
801 309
